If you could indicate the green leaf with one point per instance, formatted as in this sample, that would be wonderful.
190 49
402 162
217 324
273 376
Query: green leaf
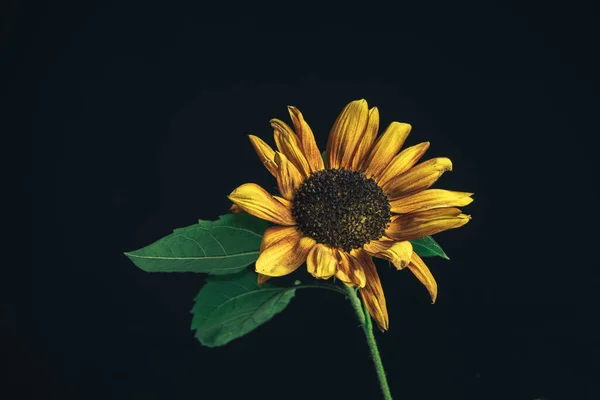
427 247
324 157
231 306
225 246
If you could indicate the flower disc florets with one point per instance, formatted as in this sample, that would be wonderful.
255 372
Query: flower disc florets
341 208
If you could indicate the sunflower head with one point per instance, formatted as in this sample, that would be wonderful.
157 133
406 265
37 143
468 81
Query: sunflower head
369 200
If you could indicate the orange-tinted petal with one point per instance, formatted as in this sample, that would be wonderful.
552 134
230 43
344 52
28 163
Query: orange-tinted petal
307 140
386 147
274 234
288 143
430 199
256 201
262 279
418 178
423 274
372 294
402 163
398 253
322 261
288 177
235 209
283 201
425 223
265 153
346 134
350 270
284 256
365 145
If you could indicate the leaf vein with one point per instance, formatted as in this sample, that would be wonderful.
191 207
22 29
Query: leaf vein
219 243
195 241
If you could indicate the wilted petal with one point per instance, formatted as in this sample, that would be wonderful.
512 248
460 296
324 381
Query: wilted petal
284 256
398 253
386 147
350 270
346 134
265 153
258 202
423 274
322 262
307 140
288 143
288 177
365 145
425 223
274 234
372 294
402 163
283 201
262 279
418 178
430 199
235 209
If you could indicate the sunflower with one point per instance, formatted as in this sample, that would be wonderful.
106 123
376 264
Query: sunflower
369 199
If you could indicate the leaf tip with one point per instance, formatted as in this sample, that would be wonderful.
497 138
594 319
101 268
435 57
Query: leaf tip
129 254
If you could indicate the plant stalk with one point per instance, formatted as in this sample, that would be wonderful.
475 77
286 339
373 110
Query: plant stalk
367 325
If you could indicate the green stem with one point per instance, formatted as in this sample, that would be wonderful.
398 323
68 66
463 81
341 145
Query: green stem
365 321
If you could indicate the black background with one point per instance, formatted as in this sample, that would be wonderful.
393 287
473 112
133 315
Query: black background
138 114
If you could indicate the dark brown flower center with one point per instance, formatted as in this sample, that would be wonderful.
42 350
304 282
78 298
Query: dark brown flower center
341 208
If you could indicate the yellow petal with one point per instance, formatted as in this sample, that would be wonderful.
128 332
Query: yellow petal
288 143
402 163
350 270
430 199
284 256
386 147
283 201
262 279
372 294
365 145
398 253
322 262
346 134
256 201
288 177
418 178
423 274
307 140
274 234
425 223
265 153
